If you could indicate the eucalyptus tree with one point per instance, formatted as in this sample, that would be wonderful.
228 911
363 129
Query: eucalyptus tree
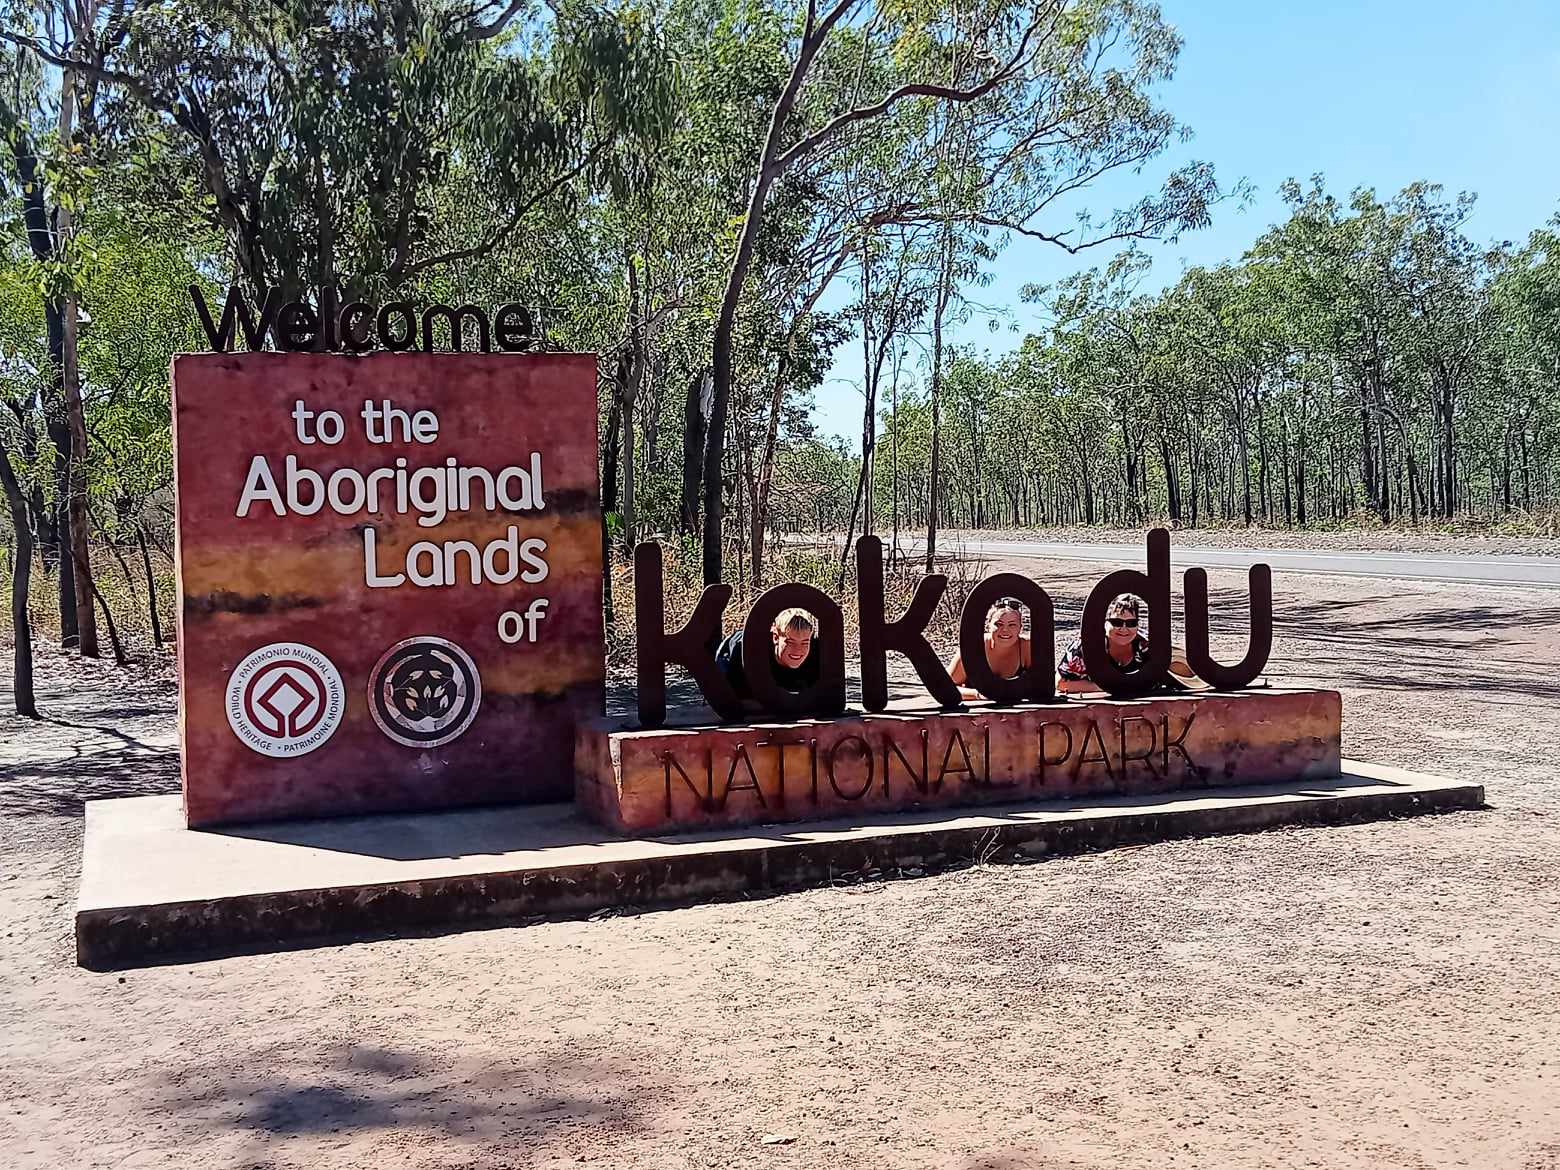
1074 74
1525 293
321 131
1439 277
51 121
23 379
894 286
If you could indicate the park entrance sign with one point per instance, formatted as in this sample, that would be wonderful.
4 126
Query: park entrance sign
390 573
390 580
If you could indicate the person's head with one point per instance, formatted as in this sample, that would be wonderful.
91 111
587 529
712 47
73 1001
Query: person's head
1123 618
1004 622
793 633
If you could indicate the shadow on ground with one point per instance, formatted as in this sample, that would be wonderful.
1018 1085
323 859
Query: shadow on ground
60 788
360 1087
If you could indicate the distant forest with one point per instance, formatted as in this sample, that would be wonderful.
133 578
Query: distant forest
1363 362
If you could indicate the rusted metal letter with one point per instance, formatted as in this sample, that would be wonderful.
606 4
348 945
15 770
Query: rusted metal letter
1259 586
692 646
1038 683
1154 587
826 697
907 635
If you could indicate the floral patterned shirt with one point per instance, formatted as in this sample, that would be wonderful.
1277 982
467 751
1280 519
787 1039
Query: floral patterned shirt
1071 664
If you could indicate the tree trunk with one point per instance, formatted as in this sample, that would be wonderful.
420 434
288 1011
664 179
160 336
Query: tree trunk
629 389
765 473
120 658
1193 473
1527 477
1283 466
850 525
766 468
893 448
609 500
1368 456
695 420
151 586
86 621
23 699
609 457
769 169
650 389
631 369
1300 472
1263 504
934 490
1243 443
1449 492
52 526
75 421
124 567
1505 471
1081 443
721 366
70 636
1172 477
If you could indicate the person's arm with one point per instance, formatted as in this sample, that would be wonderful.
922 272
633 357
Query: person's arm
1178 663
728 658
1072 675
960 679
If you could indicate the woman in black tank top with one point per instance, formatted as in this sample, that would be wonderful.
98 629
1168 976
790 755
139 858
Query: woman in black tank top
1007 647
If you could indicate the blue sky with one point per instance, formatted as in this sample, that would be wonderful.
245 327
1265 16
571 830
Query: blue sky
1368 94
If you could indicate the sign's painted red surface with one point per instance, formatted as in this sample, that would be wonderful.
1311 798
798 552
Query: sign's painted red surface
389 579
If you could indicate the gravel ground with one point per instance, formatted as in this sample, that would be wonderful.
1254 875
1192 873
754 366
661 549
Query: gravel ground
1378 995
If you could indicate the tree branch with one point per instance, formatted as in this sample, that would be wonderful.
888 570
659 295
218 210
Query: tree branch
135 85
915 89
509 225
484 32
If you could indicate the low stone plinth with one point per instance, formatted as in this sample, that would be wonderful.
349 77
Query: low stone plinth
681 777
155 891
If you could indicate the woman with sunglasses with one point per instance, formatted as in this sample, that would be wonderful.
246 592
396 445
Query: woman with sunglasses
1007 647
1128 648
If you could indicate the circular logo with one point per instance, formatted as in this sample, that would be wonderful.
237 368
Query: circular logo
285 699
424 692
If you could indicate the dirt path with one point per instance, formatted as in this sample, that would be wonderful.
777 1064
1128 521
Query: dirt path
1381 995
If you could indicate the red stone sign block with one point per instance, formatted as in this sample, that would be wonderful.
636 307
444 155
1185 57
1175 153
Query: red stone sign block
389 580
647 781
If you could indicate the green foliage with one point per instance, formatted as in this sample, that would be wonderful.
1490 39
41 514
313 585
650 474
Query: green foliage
1364 360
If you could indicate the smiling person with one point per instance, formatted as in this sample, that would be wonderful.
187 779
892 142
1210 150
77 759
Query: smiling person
796 659
1007 647
1128 648
1126 644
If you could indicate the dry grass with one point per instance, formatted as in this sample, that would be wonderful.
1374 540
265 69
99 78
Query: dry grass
122 586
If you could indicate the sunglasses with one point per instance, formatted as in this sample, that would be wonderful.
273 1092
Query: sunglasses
1129 623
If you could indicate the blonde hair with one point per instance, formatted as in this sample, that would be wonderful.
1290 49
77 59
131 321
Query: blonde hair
793 619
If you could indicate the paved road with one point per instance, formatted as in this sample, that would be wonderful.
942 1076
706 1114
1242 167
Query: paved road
1481 570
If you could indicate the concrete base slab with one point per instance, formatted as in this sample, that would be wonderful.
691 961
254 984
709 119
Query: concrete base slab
153 890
